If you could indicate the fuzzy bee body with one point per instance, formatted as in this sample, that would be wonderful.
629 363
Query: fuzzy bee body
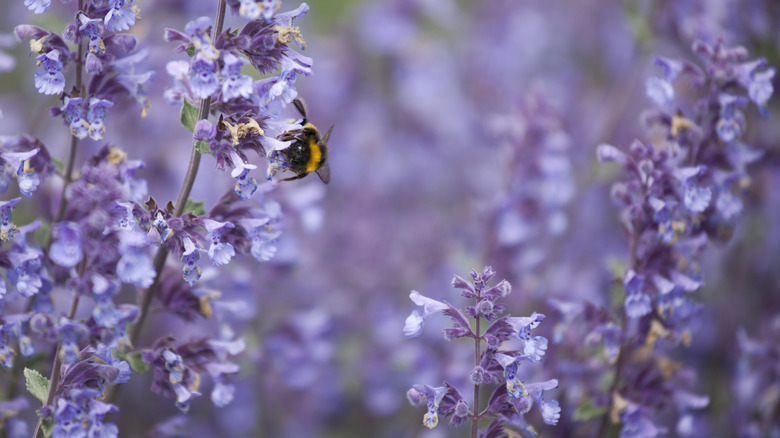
309 150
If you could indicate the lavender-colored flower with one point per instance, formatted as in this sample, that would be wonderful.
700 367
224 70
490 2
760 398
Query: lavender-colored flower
92 28
38 6
135 265
121 16
219 252
66 250
204 131
191 272
414 322
75 115
51 80
204 81
26 175
235 84
95 116
7 228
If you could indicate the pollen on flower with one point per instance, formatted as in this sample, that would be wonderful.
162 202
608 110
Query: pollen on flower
679 123
205 303
430 420
116 155
36 46
287 34
241 130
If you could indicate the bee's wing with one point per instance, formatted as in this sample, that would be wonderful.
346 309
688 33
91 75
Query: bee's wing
327 136
324 172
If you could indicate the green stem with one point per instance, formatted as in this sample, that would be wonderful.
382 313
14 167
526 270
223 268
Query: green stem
477 361
622 351
57 367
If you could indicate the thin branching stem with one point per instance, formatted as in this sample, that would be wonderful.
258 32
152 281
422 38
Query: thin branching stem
622 351
181 201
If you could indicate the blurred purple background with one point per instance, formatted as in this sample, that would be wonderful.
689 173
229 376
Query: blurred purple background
464 135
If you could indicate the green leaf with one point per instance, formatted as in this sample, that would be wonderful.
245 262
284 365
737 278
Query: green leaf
588 411
203 147
37 384
197 207
135 361
47 425
59 165
191 51
43 234
188 115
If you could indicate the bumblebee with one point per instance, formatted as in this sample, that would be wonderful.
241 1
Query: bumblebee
309 151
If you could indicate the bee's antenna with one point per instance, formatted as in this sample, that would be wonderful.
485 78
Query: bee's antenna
301 108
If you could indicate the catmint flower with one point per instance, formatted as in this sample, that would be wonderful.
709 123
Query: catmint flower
66 249
26 175
758 83
432 398
135 265
70 334
204 131
25 275
92 28
164 230
191 271
551 411
51 80
7 228
731 121
38 6
126 220
414 322
637 303
198 30
660 91
204 81
219 252
264 232
75 115
95 115
246 185
235 85
277 92
121 15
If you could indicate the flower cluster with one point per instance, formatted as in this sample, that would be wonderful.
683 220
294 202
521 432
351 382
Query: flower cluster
248 110
755 383
680 191
508 344
108 231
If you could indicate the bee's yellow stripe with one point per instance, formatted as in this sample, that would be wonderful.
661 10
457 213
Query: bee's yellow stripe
315 159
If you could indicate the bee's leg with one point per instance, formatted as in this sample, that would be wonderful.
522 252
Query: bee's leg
293 134
293 178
